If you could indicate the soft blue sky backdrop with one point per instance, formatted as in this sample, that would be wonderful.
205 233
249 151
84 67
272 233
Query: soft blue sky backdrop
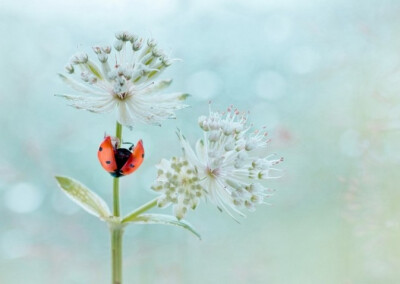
321 75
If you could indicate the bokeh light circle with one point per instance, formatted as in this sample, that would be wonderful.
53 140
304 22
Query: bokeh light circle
23 198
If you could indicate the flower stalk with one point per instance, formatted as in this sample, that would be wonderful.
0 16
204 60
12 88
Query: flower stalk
140 210
118 134
116 251
116 231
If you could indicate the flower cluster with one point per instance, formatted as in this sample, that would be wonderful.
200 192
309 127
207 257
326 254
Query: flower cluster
227 162
124 81
179 184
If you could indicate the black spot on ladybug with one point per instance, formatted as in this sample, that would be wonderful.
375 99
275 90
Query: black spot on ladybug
132 165
100 149
142 155
108 162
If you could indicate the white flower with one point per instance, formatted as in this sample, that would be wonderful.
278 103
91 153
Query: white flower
178 184
124 81
228 161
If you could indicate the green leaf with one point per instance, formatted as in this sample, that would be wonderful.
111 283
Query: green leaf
163 220
84 197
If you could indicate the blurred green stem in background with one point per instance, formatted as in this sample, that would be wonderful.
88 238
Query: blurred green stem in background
116 231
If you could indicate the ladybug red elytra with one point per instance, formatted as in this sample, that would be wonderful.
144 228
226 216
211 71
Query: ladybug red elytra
120 161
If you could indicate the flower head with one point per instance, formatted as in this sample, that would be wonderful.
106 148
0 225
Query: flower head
229 164
125 80
179 185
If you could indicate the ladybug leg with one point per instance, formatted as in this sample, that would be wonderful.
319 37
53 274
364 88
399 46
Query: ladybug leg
131 147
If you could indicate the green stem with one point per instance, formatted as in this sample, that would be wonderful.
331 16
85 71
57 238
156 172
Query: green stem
118 131
116 197
117 231
116 211
131 216
116 251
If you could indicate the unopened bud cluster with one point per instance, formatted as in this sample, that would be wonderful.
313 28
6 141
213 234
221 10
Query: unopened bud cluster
178 183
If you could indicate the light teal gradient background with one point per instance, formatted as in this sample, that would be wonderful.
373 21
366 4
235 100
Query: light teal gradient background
323 76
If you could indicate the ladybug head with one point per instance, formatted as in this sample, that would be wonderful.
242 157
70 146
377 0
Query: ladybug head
130 143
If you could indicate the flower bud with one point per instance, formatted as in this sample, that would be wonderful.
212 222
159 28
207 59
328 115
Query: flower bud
80 58
102 57
96 49
70 69
106 49
163 201
249 146
213 136
151 42
124 36
156 52
85 76
165 61
137 45
179 212
118 44
250 206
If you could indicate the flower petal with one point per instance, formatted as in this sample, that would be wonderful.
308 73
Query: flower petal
123 116
93 104
158 86
78 86
188 151
201 151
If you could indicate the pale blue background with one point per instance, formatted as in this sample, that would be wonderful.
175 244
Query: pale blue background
323 76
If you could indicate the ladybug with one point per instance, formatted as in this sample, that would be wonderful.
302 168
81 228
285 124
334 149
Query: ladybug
120 161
